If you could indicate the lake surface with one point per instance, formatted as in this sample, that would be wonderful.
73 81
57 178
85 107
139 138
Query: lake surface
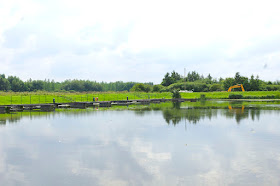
169 145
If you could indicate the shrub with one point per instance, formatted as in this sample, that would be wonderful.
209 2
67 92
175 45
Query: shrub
196 87
141 87
176 94
202 96
272 87
216 87
235 96
157 88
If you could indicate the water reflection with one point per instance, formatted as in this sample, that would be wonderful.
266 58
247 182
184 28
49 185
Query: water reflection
173 113
137 147
195 114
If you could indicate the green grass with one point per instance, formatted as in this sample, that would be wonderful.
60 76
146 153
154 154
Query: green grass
225 95
7 98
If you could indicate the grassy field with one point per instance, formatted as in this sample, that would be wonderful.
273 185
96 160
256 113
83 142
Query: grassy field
7 98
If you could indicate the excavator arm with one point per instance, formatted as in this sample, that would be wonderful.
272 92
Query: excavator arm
236 86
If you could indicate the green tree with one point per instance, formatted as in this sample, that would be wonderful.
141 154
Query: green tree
228 82
175 76
157 88
255 84
4 83
167 80
237 78
141 87
17 85
193 76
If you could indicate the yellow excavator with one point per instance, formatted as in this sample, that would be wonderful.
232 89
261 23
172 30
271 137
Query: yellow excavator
236 86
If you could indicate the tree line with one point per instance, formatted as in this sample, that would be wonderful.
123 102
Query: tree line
15 84
196 82
170 82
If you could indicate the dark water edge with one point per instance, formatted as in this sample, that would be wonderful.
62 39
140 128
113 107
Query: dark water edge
167 144
173 112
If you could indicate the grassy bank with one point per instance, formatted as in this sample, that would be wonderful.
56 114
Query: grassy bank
7 98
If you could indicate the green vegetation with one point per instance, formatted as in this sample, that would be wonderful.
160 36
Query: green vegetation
7 98
198 83
176 94
171 81
235 96
225 95
173 112
13 83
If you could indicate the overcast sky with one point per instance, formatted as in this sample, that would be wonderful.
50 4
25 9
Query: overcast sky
129 40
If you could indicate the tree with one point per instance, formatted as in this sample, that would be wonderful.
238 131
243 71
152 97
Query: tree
255 83
176 94
237 78
175 76
228 82
17 85
4 83
193 76
141 87
167 80
157 88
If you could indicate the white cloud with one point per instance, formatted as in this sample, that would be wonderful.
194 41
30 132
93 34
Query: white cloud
128 37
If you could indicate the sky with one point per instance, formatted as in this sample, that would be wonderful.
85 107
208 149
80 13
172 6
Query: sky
131 40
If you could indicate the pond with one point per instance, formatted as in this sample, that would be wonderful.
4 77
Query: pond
203 143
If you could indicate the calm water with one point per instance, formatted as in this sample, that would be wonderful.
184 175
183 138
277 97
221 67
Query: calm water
177 145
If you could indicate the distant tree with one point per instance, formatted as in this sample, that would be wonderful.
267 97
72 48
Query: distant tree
167 80
28 85
17 85
255 84
237 78
215 87
193 76
157 88
4 83
209 77
141 87
37 85
175 76
228 82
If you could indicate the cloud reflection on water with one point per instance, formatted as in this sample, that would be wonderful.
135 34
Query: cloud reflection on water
124 148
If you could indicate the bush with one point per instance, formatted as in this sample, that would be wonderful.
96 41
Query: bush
216 87
272 87
235 96
196 87
157 88
263 97
202 96
141 87
176 94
